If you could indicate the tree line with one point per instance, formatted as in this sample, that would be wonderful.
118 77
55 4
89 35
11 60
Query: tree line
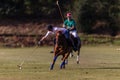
92 16
32 8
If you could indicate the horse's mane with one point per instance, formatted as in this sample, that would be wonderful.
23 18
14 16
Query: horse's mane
60 39
61 46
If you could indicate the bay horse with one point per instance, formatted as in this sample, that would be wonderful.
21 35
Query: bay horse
61 47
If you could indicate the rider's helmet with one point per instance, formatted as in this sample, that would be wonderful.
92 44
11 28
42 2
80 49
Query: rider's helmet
50 27
69 14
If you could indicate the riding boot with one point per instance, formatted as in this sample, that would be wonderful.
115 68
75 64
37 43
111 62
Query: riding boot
73 45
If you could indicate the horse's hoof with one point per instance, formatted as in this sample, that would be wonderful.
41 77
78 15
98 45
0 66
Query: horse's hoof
19 66
77 62
51 51
63 67
51 69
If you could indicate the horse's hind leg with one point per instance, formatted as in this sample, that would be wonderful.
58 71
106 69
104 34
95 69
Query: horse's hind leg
71 54
78 57
78 54
54 60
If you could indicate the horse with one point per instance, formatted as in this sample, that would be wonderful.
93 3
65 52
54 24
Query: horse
61 47
77 43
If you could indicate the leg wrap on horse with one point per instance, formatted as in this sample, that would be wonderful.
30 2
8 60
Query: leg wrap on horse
62 65
52 65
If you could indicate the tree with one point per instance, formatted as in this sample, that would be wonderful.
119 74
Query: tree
33 8
98 16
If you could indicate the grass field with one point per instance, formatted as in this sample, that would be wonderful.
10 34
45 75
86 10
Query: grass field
96 63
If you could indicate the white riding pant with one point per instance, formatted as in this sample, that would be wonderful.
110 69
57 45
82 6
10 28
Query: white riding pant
74 33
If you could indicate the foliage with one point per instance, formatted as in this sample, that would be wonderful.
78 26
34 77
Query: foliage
92 16
98 16
32 8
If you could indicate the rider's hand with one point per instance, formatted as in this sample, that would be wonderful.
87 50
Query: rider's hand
40 42
68 29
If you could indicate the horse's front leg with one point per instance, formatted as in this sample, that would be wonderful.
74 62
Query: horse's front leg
54 60
62 65
64 59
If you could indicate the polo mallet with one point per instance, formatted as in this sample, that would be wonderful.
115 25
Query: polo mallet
57 2
20 65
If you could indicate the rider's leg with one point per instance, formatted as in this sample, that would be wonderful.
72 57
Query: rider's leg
69 40
74 33
73 45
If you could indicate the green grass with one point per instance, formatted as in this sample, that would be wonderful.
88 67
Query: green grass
96 63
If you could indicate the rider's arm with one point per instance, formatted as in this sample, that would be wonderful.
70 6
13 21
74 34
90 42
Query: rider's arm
73 25
45 36
65 24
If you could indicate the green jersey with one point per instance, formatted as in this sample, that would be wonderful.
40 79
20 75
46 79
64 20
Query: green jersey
69 23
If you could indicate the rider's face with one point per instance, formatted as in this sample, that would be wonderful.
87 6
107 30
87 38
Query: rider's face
69 17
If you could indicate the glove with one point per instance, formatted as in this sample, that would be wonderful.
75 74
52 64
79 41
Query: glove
39 42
